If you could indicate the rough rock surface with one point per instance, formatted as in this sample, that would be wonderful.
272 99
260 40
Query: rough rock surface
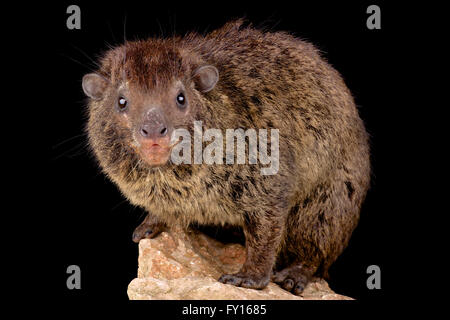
186 265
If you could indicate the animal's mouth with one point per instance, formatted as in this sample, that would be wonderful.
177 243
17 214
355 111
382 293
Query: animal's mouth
156 152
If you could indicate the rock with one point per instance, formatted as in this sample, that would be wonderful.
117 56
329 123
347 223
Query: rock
186 265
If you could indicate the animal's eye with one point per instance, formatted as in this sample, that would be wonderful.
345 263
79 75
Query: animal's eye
181 100
122 103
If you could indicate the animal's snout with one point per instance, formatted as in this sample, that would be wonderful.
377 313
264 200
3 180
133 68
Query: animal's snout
154 125
153 132
154 137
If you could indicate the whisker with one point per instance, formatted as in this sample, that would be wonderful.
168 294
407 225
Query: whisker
86 55
67 140
112 33
76 149
125 29
118 205
78 62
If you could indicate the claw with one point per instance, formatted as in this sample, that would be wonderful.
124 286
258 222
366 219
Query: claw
245 281
148 229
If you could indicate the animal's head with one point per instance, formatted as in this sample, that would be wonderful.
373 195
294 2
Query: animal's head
142 92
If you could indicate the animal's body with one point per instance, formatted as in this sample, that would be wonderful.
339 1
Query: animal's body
296 222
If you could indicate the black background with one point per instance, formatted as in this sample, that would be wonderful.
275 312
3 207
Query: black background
88 223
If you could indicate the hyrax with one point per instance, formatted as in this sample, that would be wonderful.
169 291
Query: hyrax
296 222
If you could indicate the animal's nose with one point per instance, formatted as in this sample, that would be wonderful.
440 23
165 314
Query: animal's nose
153 132
154 125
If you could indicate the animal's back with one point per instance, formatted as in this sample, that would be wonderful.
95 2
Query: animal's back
276 80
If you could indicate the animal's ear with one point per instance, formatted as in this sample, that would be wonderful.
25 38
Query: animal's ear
94 85
206 78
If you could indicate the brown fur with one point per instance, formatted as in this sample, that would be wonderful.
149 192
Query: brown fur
299 220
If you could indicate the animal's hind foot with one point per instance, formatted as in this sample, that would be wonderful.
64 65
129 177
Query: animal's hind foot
148 229
245 280
293 278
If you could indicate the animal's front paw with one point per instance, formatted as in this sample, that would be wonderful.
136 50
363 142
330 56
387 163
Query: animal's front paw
147 230
245 280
